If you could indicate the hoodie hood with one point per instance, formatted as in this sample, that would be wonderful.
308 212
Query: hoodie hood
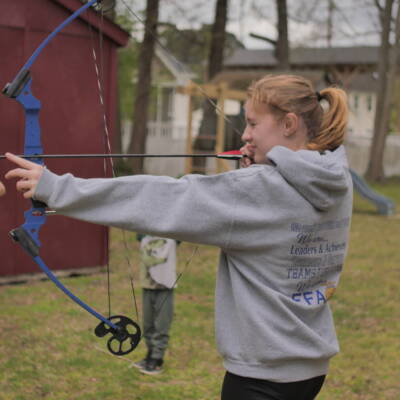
319 178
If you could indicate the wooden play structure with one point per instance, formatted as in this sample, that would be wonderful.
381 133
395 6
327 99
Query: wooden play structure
219 93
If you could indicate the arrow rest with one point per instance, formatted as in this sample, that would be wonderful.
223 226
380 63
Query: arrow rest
124 339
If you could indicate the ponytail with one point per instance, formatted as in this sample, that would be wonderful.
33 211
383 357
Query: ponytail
334 121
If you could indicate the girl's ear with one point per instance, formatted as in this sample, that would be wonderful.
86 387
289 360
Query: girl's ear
290 124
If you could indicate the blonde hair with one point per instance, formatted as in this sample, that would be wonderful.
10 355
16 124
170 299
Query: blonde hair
282 94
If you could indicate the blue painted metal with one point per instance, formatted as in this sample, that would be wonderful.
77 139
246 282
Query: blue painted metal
59 28
76 299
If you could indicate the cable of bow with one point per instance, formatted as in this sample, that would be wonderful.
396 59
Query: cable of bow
123 333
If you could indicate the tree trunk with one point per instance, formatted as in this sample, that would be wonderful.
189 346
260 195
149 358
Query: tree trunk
216 57
375 170
207 133
140 114
282 46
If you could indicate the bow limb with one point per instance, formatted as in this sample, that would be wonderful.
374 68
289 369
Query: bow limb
122 340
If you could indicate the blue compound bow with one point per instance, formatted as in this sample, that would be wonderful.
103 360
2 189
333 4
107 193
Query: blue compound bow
125 333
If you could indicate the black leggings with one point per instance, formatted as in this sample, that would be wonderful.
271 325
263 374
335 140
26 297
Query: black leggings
239 388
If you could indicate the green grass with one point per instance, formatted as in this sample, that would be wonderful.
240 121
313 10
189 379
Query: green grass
49 351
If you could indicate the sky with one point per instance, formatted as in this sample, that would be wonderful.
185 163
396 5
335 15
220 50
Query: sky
354 22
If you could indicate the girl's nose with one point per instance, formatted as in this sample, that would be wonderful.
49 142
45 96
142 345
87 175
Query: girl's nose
246 135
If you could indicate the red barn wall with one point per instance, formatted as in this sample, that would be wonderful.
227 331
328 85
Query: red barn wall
71 120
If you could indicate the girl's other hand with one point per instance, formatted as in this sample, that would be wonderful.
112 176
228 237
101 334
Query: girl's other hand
248 154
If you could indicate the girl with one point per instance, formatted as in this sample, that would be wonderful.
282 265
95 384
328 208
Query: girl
282 225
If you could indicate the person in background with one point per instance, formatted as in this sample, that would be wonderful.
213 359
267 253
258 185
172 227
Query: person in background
157 278
282 224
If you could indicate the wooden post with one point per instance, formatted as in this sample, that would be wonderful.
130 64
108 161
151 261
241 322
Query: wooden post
220 139
189 137
220 92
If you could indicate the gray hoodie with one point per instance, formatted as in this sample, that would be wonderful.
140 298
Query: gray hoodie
283 232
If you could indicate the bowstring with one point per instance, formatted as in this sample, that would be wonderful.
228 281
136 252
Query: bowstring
100 78
219 112
187 263
99 70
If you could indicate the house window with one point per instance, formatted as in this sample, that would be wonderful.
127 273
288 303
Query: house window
162 104
167 96
356 101
369 102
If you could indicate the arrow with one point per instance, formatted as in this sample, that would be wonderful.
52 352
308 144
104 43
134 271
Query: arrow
227 155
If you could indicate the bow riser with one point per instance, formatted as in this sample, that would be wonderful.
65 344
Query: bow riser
31 107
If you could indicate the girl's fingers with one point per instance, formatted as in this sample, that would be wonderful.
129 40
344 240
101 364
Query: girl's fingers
28 174
25 185
248 160
21 162
28 194
2 189
18 173
27 169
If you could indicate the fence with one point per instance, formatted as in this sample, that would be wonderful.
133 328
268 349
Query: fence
170 138
358 148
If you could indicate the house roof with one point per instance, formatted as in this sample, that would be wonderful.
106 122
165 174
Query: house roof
110 29
364 83
247 65
179 70
240 79
305 57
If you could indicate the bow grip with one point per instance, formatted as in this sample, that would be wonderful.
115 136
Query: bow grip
38 204
23 238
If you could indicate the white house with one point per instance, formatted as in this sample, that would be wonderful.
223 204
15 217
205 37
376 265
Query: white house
167 126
